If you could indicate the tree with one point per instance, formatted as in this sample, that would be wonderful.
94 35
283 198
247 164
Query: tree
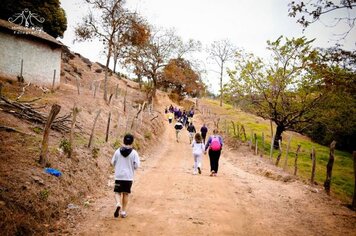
312 11
150 58
112 16
179 76
285 91
221 52
55 20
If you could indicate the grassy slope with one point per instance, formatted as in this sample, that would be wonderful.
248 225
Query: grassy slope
342 184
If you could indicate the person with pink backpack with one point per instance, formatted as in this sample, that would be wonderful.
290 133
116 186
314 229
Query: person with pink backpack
214 145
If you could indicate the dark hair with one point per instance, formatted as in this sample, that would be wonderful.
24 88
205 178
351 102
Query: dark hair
198 138
128 139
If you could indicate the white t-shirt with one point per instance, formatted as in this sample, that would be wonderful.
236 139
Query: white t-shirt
198 148
125 166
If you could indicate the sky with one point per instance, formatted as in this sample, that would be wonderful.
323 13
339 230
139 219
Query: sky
248 24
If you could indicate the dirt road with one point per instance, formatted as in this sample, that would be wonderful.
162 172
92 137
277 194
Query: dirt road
167 199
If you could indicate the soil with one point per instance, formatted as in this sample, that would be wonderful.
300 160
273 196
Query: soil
248 197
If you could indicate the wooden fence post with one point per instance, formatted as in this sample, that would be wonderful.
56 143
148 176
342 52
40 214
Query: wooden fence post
312 155
54 79
280 152
287 152
108 127
329 167
296 160
353 205
92 129
271 151
71 143
233 128
44 149
78 84
263 144
244 132
116 90
256 143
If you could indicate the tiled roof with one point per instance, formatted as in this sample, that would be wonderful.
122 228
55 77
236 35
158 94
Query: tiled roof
28 32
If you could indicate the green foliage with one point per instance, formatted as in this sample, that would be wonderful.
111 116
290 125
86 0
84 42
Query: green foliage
55 20
95 152
65 145
37 130
148 135
116 144
44 194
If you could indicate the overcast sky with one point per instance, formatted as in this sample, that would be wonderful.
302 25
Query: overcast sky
248 24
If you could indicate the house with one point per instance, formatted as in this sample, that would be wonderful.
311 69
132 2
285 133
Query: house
30 54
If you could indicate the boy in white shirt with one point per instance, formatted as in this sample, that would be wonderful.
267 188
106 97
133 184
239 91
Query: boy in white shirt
198 150
125 161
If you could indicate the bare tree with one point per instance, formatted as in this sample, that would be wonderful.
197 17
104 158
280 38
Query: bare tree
104 24
221 52
308 12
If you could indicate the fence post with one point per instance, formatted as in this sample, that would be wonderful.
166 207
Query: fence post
286 159
54 79
108 127
312 155
280 152
263 144
256 143
271 151
296 160
329 167
71 143
44 149
92 130
353 206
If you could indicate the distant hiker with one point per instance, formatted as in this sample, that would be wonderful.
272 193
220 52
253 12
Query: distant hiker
203 131
169 117
192 131
198 150
214 144
178 127
171 109
165 110
191 113
125 161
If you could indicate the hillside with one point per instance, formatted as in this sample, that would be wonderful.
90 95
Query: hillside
34 202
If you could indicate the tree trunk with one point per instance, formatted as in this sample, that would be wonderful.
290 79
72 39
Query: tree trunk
116 56
221 86
52 115
106 74
108 128
329 168
278 136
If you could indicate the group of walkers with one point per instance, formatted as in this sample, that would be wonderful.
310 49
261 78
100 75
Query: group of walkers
198 141
126 159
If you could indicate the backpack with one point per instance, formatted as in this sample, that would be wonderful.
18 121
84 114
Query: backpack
215 144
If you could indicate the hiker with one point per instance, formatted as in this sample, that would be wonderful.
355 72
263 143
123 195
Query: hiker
125 161
191 113
198 150
203 131
171 109
178 127
169 117
165 110
214 144
192 131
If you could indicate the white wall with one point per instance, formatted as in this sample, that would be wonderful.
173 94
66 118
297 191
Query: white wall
39 59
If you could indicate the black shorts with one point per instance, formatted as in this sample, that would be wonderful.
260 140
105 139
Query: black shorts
122 186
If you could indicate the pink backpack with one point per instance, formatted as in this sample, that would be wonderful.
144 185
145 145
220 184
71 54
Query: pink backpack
215 144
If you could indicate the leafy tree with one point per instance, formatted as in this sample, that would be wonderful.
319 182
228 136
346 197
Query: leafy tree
150 58
309 12
55 20
221 52
286 90
179 76
336 118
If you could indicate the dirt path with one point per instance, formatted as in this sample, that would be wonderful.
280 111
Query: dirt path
167 199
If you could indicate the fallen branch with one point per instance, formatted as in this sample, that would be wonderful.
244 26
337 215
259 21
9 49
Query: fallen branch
154 118
11 129
23 91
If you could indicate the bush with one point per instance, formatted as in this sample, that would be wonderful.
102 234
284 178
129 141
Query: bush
65 146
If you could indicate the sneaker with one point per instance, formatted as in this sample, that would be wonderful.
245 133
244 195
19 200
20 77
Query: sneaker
123 214
199 170
116 214
215 174
212 173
